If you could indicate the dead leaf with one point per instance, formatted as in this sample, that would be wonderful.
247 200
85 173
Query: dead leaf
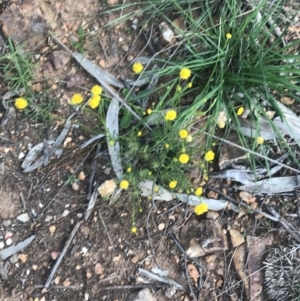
193 272
107 188
67 283
99 269
23 257
135 259
52 229
236 238
256 247
81 176
247 197
287 100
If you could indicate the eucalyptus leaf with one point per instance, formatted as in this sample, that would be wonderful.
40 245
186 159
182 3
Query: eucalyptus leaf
112 127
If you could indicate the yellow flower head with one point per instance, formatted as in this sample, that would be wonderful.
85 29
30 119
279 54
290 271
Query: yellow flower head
76 99
129 169
201 208
167 145
183 133
199 191
133 229
96 90
156 189
240 111
21 103
171 115
184 158
209 156
137 67
190 85
173 184
149 111
228 36
140 133
185 73
94 101
124 184
260 140
221 124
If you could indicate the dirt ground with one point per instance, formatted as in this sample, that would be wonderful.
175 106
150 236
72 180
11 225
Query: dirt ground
104 258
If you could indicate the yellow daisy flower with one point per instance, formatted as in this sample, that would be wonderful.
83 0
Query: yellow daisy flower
201 208
124 184
183 133
21 103
240 111
137 67
149 111
173 184
167 145
133 229
185 73
129 169
96 90
94 101
228 36
184 158
140 133
209 156
76 99
171 115
199 191
260 140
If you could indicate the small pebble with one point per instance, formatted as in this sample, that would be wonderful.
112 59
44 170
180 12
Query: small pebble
161 227
21 155
8 242
23 217
1 245
65 213
14 259
7 223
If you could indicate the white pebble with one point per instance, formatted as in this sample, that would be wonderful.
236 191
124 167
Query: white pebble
8 241
161 227
2 245
23 217
65 213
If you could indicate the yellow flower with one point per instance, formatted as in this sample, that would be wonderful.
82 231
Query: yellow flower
149 111
167 145
171 115
137 67
189 138
124 184
228 36
133 229
183 133
173 184
139 133
260 140
96 90
240 111
199 191
129 169
190 85
94 101
156 189
76 99
209 156
184 158
111 142
201 208
178 88
21 103
185 73
205 177
221 124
